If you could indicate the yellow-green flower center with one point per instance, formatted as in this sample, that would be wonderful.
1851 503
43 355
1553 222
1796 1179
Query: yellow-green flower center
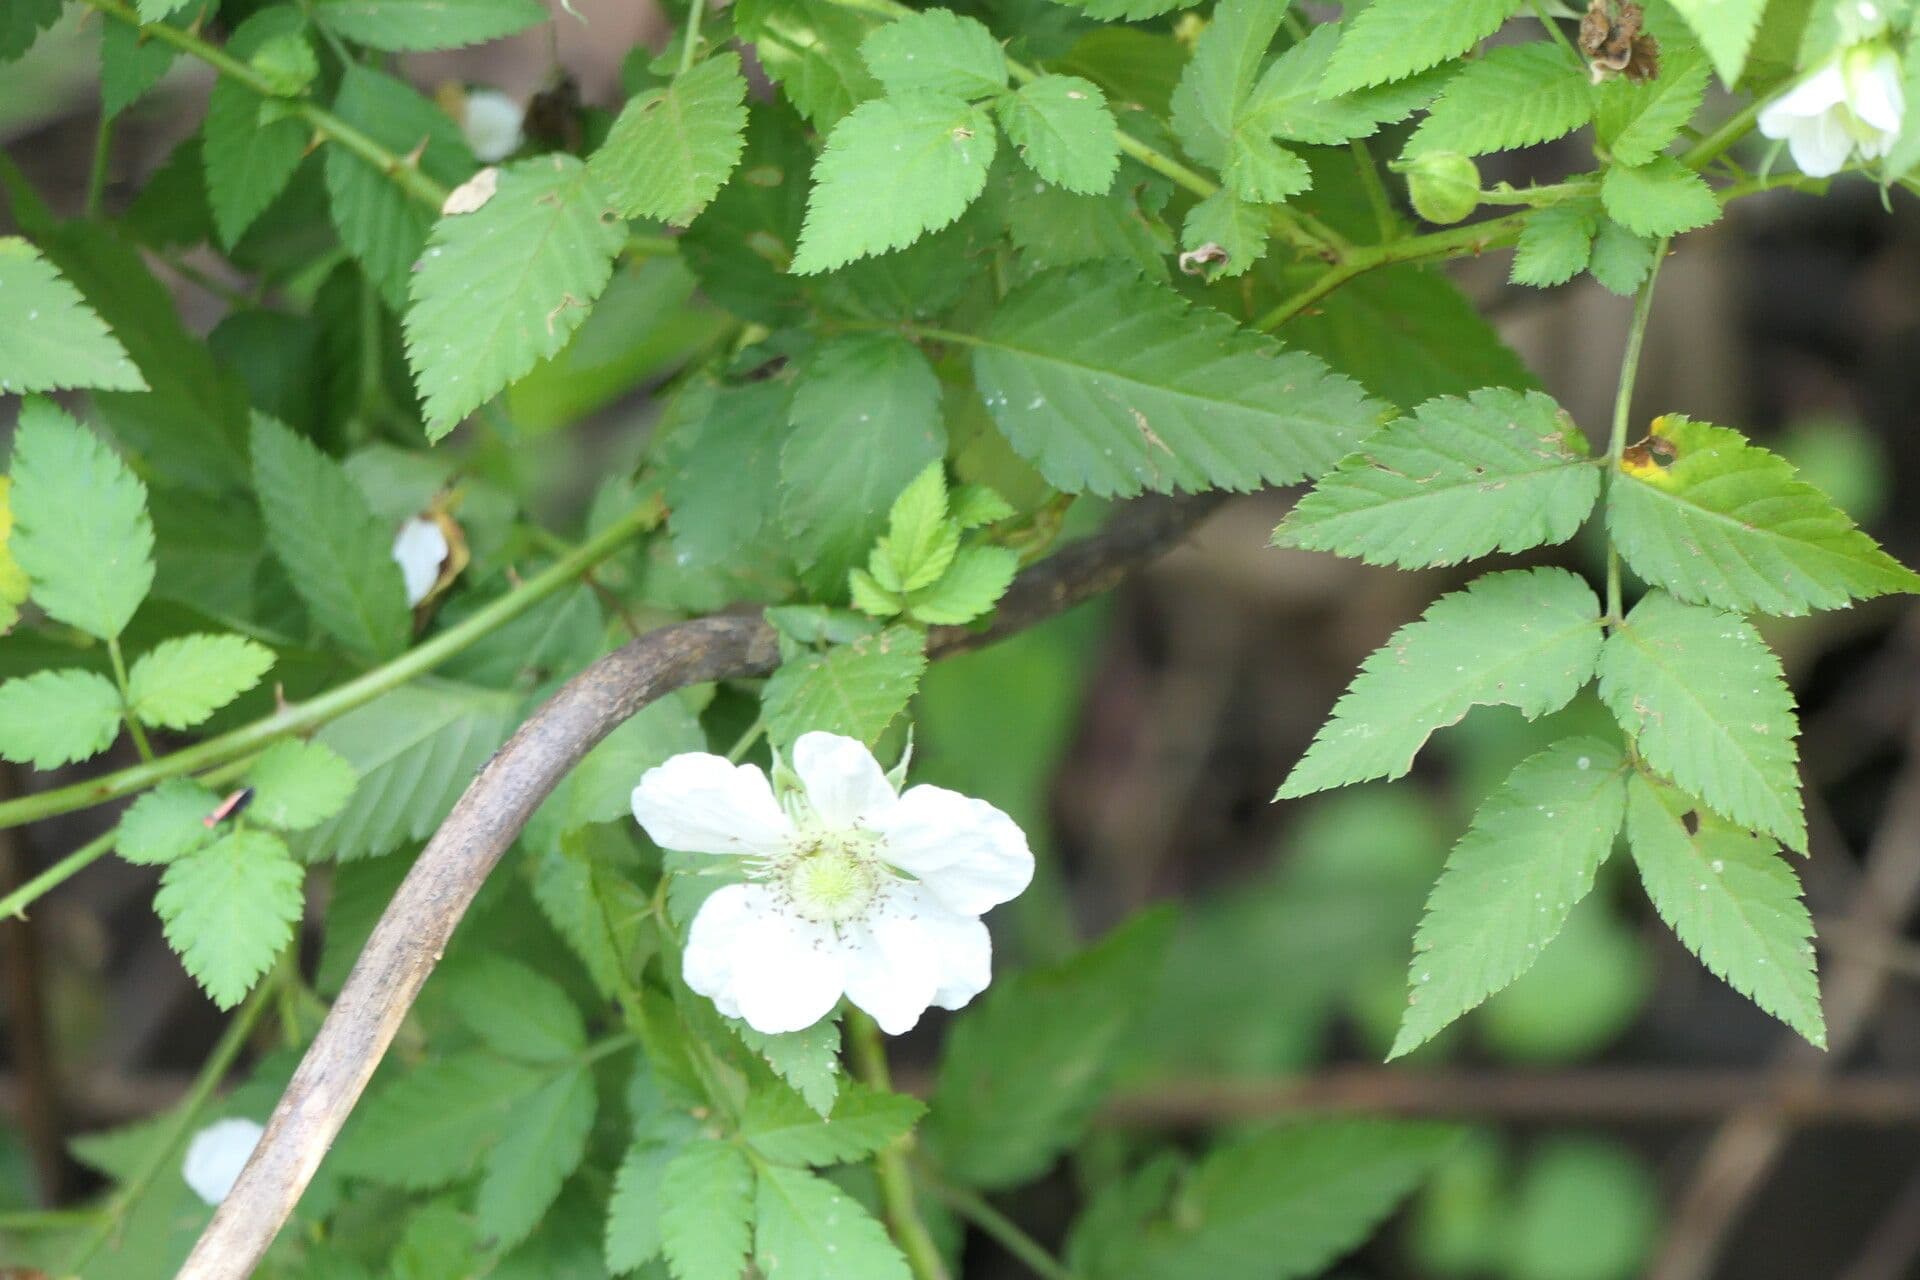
832 881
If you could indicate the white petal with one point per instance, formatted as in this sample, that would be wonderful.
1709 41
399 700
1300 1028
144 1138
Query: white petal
420 548
843 780
758 962
700 803
1814 96
1821 147
969 855
914 953
1875 95
217 1154
492 126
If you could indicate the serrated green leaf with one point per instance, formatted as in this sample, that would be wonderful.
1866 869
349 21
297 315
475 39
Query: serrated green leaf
1111 384
180 682
600 788
1064 132
51 718
722 465
633 1210
921 539
975 505
154 10
854 689
1214 118
1726 29
249 159
673 147
585 893
1706 704
1528 859
1498 471
780 1126
1728 523
807 1060
229 910
1392 39
811 49
1526 638
805 1228
286 63
515 1011
894 169
338 557
1730 896
132 63
706 1208
22 22
1660 198
1056 228
1556 244
54 340
504 287
166 823
297 785
80 525
1287 101
1620 259
402 26
937 51
1637 119
431 1127
542 1146
866 421
1514 97
1238 228
970 587
1124 10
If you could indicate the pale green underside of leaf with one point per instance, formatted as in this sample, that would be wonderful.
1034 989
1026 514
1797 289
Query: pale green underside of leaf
51 718
1392 39
503 288
1707 705
894 169
1525 638
165 823
1660 198
229 910
54 340
181 681
1500 470
1730 524
806 1228
409 25
937 51
431 1126
1529 858
545 1144
672 148
1111 384
297 785
1726 29
706 1210
1062 128
854 689
1514 97
633 1210
1732 899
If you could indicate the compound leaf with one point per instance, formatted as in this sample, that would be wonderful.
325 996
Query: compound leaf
229 910
1514 97
180 682
672 147
1392 39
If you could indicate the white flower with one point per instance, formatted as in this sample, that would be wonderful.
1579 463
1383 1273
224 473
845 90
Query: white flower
1853 103
216 1155
420 548
492 124
851 890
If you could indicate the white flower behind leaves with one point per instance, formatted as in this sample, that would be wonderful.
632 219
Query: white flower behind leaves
492 124
420 548
217 1154
851 889
1853 103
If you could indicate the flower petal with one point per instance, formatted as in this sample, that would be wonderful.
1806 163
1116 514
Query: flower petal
700 803
914 953
758 962
1821 147
1814 96
420 548
1875 94
967 853
844 782
217 1154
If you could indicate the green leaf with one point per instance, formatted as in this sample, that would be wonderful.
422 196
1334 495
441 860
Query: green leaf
808 1060
1529 857
937 51
811 49
406 25
1514 97
855 689
54 340
132 62
504 287
1556 244
1707 705
22 22
180 682
633 1210
1287 102
1621 259
1392 39
706 1209
1726 29
600 788
515 1011
989 1123
894 169
805 1228
80 525
673 146
338 557
780 1126
1638 119
249 159
1731 898
297 785
970 587
921 539
229 910
1064 132
287 63
866 421
166 823
1209 103
541 1147
415 750
1728 523
722 465
1056 228
431 1127
1111 384
1498 471
1526 638
1660 198
51 718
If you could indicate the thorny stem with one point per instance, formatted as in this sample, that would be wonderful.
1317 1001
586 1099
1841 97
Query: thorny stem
1623 411
1005 1231
890 1162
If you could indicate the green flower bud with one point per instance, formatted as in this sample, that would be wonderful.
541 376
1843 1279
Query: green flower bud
1444 186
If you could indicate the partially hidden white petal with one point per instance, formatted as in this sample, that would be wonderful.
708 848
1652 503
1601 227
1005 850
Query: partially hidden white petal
1821 147
700 803
1875 95
843 780
420 548
758 962
914 953
217 1154
1814 96
492 125
967 853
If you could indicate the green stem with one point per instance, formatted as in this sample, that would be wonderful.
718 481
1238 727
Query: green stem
1722 139
1002 1229
691 45
22 1221
97 172
1376 190
745 744
336 702
1453 242
1623 411
1559 36
140 742
890 1162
